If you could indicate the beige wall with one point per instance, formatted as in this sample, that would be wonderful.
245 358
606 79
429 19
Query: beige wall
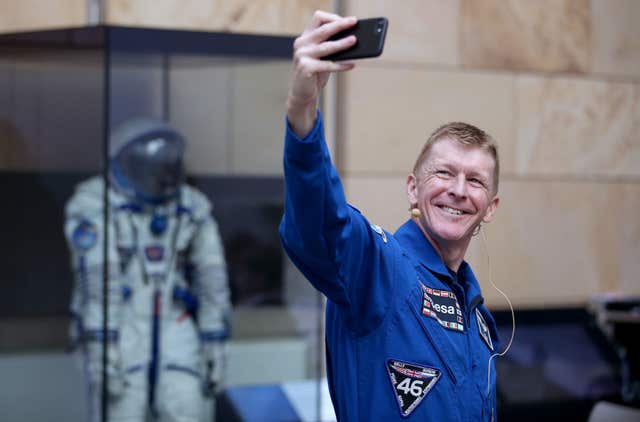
557 82
267 17
279 17
31 15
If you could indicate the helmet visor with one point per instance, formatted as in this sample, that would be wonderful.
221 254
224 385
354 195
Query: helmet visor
152 167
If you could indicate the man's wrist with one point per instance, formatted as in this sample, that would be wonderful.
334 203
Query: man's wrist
301 115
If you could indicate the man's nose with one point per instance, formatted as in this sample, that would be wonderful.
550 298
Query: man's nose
458 186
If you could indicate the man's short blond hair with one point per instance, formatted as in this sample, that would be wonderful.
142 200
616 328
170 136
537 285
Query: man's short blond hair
466 134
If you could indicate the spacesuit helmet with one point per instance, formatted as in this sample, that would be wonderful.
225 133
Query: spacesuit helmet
147 160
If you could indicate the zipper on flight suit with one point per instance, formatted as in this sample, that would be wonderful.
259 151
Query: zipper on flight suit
435 346
417 268
477 300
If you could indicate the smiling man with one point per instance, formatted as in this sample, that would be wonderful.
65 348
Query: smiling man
407 334
453 188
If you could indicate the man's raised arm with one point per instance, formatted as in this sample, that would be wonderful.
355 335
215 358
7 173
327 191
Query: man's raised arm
310 73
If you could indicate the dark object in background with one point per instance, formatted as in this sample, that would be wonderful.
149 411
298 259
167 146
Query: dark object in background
618 317
255 270
558 367
248 211
36 270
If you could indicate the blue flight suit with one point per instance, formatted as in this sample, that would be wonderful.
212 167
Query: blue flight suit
406 338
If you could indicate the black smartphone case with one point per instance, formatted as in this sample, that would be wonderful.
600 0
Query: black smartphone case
370 34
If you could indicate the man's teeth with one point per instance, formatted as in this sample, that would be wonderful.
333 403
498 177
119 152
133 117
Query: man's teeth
452 211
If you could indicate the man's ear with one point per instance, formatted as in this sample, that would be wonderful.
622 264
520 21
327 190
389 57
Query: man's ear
412 188
491 209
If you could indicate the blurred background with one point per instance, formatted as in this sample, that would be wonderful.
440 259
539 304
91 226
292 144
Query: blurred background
556 82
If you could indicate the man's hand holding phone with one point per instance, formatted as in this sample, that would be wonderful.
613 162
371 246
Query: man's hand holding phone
328 44
310 72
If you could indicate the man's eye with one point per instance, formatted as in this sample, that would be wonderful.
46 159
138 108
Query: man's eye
443 173
476 182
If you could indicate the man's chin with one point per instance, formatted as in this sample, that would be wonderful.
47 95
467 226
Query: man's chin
453 235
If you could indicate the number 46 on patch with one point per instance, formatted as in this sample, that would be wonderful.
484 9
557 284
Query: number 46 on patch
411 383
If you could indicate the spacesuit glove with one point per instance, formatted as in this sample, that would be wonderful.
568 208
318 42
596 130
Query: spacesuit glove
115 374
215 354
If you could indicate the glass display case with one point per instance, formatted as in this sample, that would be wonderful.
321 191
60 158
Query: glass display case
65 94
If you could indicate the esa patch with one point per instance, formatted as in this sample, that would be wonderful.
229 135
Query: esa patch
411 383
483 329
442 306
379 230
85 236
154 253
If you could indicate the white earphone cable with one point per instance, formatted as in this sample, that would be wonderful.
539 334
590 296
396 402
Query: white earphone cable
513 317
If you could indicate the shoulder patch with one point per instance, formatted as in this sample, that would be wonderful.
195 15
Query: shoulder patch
411 383
380 231
483 329
85 236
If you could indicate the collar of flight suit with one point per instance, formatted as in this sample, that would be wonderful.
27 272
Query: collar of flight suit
416 243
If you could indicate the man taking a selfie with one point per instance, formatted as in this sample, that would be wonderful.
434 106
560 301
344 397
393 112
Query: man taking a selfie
407 334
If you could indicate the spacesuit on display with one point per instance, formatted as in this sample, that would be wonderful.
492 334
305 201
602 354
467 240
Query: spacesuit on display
168 296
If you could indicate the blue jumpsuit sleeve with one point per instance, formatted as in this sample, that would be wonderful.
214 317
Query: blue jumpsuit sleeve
331 243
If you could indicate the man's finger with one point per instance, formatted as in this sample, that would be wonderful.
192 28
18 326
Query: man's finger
321 17
329 47
326 31
321 66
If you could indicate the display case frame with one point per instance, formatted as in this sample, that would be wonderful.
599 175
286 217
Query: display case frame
107 45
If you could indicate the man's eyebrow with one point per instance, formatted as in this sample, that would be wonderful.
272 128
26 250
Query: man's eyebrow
440 163
478 175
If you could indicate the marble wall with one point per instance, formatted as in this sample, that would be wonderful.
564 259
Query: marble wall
557 83
33 15
267 17
278 17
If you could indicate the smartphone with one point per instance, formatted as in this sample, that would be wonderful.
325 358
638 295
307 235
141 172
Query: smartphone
370 34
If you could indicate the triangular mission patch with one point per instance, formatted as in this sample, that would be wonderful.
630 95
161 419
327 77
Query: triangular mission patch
411 383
